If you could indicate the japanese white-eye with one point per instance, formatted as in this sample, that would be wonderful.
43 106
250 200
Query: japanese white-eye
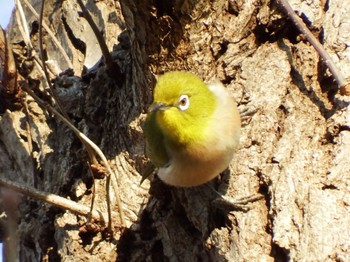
192 129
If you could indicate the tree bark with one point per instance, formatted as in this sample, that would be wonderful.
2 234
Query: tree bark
294 146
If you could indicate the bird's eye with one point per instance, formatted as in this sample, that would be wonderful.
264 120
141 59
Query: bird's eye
184 102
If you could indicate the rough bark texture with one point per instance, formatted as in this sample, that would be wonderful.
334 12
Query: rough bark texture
294 147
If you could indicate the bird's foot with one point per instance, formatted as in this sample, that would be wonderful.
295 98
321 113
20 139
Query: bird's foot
241 204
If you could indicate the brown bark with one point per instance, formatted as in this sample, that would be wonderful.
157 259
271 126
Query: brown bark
294 146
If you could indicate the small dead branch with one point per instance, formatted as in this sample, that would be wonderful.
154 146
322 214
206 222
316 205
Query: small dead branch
55 200
24 25
93 189
343 84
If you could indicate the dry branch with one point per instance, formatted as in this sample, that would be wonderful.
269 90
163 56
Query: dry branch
55 200
342 83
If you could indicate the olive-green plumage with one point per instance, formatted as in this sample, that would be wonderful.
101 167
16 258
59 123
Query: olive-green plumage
192 129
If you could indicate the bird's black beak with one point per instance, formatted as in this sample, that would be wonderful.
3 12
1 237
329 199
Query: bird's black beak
157 106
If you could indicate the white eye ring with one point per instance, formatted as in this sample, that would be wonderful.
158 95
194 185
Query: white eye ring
184 102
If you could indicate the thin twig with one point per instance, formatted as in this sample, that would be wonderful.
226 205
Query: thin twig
23 19
93 187
87 142
314 42
108 186
105 52
54 38
20 23
53 199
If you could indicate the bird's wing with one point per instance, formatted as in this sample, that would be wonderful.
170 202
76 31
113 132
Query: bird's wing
155 146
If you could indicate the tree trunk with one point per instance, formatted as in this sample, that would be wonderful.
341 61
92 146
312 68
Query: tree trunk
294 146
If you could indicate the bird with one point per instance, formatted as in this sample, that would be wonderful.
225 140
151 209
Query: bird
192 129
